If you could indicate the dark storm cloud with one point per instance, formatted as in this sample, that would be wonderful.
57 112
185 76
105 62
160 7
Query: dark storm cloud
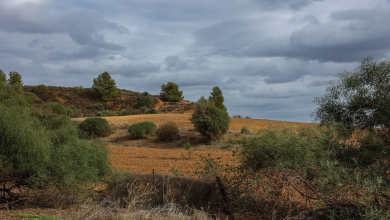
292 4
82 26
348 36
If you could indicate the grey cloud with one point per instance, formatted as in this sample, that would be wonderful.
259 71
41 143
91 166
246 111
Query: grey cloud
81 53
81 26
292 4
175 64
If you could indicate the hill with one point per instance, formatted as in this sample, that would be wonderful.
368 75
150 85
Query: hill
88 104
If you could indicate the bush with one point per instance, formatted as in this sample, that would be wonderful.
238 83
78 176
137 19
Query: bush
53 122
95 127
40 90
209 120
37 159
32 98
56 108
143 109
142 129
245 130
152 111
106 113
168 132
144 100
98 106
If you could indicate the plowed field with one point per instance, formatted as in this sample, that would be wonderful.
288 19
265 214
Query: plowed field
142 156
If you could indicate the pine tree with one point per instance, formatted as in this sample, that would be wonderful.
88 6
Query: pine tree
105 87
3 77
217 98
171 93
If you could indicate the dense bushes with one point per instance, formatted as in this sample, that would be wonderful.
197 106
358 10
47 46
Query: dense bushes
56 108
152 111
94 127
142 129
46 154
168 132
40 90
209 120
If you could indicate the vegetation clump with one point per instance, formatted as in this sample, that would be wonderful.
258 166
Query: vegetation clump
144 100
3 77
169 131
56 108
245 130
95 127
37 157
40 90
105 87
141 129
217 98
209 120
170 92
152 111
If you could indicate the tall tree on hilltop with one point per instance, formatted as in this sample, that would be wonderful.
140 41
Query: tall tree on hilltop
217 98
105 87
171 93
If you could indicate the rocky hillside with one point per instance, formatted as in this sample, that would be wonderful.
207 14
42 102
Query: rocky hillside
88 104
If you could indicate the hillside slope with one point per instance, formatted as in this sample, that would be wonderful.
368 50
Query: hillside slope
89 104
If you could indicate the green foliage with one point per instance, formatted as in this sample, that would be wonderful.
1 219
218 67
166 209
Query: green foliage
105 87
358 99
15 79
168 132
79 90
170 92
209 120
245 130
40 90
144 100
217 98
152 111
56 108
108 113
3 77
98 106
237 116
94 127
32 98
45 152
144 109
142 129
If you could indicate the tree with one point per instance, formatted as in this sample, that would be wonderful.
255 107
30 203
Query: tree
105 87
170 92
217 98
358 99
15 79
209 120
3 77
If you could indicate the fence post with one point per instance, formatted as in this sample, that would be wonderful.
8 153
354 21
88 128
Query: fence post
229 209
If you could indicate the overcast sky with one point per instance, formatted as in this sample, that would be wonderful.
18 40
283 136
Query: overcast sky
269 57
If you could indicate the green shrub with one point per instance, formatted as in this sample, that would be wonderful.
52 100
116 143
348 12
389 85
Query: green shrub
152 111
170 92
98 106
209 120
142 129
40 90
168 132
56 108
52 121
144 100
106 113
32 97
143 109
245 130
95 127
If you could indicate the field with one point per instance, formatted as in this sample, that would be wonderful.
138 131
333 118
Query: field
142 156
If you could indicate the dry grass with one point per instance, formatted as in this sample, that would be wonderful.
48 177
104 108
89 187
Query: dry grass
155 197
